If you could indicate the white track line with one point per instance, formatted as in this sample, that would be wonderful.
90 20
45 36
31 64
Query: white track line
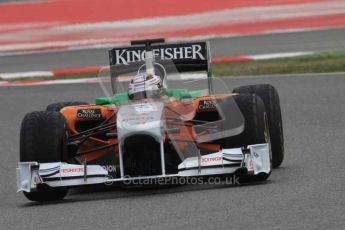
183 77
31 74
98 80
28 25
279 55
37 74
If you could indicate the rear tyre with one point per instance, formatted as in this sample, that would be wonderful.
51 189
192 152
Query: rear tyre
43 139
58 106
270 97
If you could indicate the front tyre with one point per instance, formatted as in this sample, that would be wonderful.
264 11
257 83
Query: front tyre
270 97
253 111
255 131
43 139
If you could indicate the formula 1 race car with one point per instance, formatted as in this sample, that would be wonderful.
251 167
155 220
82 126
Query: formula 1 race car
165 117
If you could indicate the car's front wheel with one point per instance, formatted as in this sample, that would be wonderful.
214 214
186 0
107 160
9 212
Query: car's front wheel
43 140
255 129
270 97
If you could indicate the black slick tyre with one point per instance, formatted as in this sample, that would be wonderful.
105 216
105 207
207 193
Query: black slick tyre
255 131
270 97
42 139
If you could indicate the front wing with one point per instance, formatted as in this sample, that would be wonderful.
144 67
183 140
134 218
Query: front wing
254 160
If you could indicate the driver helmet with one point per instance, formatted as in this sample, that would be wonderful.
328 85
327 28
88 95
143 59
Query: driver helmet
145 86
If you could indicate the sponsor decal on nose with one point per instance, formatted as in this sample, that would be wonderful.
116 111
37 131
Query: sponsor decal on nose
72 170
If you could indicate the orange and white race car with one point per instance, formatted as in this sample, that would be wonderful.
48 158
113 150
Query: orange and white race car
164 117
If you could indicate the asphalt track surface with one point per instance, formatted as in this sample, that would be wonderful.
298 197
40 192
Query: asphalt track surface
323 40
307 192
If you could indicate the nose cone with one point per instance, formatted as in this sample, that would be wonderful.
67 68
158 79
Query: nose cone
141 118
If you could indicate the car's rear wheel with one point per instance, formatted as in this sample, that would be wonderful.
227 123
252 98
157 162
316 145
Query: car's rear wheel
270 97
43 140
58 106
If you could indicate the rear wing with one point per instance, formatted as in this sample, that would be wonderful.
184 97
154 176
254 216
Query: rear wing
186 57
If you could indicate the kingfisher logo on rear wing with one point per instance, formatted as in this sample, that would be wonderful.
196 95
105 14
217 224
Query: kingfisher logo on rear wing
127 55
195 53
